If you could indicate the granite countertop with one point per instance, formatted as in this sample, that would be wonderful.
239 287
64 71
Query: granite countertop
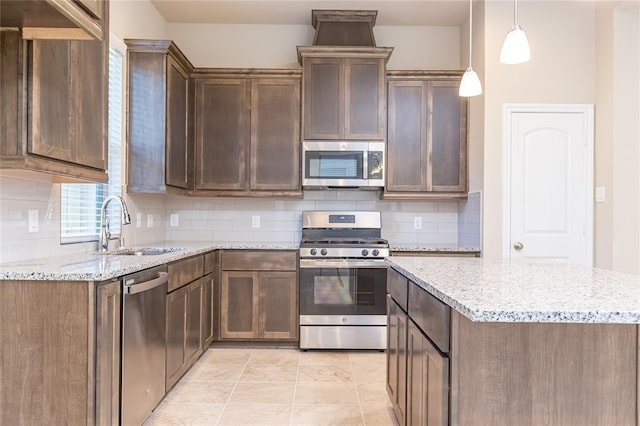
520 291
101 267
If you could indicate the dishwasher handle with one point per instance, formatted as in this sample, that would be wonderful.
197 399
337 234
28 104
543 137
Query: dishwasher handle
147 285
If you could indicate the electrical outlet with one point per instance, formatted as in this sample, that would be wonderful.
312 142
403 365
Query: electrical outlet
417 222
601 195
138 220
33 220
149 220
255 221
174 220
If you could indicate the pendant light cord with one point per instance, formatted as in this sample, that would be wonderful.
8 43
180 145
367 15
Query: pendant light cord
470 31
515 14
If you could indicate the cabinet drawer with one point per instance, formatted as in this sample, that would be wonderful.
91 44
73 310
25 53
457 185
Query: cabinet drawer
259 260
209 262
185 271
431 315
398 287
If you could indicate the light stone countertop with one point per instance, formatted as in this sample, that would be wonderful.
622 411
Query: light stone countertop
520 291
101 267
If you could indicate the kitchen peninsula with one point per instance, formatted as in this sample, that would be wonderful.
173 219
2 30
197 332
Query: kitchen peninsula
504 343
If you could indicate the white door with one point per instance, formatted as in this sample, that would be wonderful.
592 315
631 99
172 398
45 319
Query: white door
549 171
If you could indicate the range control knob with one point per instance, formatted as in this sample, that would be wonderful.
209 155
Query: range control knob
323 252
313 252
376 252
365 252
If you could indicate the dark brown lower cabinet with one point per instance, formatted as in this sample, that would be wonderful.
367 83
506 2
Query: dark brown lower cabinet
397 358
184 320
108 307
427 381
208 306
60 356
259 295
258 305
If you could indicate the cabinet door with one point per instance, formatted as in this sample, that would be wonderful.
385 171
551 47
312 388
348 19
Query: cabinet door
364 98
407 137
108 305
278 305
427 381
207 311
51 100
323 98
447 137
222 133
193 341
275 134
68 94
177 306
176 148
239 305
397 358
89 73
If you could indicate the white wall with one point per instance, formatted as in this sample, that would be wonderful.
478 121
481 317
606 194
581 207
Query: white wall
626 138
136 19
562 37
274 46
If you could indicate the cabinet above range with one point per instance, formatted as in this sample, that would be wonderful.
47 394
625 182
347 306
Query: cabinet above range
344 96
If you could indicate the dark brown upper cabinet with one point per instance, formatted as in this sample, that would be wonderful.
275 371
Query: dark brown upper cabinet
247 138
53 109
344 92
158 126
427 136
57 19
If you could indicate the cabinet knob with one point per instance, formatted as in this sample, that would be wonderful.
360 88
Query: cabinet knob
518 245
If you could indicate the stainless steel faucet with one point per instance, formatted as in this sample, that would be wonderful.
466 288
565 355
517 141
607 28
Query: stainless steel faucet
105 234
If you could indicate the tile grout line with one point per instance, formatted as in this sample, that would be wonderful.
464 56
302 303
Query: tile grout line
355 383
295 389
226 404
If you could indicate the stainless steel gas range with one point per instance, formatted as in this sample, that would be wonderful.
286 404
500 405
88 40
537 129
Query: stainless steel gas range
343 281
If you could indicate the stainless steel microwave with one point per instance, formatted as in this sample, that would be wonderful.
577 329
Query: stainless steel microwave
342 164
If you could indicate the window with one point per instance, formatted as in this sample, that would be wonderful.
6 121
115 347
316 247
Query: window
80 203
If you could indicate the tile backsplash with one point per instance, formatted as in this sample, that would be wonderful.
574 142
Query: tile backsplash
446 223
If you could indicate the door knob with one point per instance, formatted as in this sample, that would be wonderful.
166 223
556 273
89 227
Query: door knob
518 245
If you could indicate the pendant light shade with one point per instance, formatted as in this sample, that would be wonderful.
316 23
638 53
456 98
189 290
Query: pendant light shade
515 49
470 83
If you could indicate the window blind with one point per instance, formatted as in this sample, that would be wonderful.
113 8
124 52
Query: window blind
80 203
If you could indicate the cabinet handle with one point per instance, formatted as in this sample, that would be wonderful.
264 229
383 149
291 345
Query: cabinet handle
518 246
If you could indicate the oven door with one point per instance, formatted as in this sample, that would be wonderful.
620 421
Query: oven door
344 289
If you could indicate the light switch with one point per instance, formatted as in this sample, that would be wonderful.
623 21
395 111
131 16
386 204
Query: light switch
417 222
255 221
149 220
33 220
138 220
174 220
601 194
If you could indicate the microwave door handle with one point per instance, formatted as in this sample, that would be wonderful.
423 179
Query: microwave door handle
365 165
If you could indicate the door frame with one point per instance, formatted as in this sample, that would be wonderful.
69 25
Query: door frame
588 161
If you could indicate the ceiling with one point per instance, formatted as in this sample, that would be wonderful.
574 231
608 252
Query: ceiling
298 12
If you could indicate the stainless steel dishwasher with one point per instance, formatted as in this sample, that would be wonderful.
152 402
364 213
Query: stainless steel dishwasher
144 339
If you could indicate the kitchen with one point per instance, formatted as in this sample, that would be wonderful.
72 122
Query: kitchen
571 79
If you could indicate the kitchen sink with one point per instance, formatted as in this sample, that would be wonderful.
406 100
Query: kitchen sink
143 251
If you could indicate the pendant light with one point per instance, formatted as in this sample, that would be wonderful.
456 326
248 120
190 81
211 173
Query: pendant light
515 49
470 83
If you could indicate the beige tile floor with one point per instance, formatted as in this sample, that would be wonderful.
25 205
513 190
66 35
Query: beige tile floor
230 386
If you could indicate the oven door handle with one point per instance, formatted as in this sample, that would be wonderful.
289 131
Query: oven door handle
342 263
